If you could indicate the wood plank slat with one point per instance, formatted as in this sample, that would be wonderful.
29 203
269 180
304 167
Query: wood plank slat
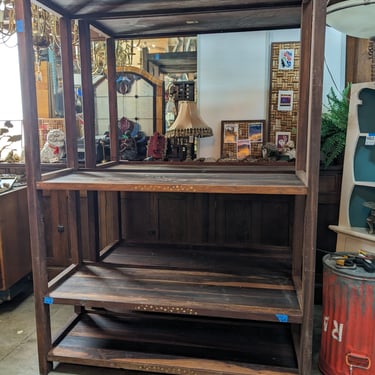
208 284
186 346
151 181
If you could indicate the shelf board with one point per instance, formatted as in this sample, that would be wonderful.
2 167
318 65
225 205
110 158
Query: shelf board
226 283
370 184
179 179
164 344
353 232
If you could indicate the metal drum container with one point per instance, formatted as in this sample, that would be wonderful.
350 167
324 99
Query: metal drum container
348 320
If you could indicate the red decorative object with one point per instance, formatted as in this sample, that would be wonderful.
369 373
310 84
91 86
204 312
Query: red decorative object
156 147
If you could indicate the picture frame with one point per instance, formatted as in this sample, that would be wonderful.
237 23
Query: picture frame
285 100
241 139
281 139
286 59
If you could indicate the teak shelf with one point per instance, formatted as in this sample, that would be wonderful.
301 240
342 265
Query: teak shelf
149 179
199 282
164 298
159 344
203 300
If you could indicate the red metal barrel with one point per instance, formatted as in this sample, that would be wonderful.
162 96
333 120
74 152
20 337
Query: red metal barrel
348 320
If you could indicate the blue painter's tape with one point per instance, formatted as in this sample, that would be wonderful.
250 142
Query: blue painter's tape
48 300
283 318
371 134
20 26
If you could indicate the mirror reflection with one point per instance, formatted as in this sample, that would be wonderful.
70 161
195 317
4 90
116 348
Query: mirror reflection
148 73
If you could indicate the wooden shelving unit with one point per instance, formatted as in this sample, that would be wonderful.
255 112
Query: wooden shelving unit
151 303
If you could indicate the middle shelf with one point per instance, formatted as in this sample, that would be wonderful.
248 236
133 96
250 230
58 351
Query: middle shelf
206 281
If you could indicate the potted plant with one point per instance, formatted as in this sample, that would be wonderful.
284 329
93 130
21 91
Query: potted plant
333 128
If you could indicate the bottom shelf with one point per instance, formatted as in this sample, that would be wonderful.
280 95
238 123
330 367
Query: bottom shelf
164 344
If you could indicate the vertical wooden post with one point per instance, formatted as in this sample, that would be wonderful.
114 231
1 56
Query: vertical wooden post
358 60
71 134
69 99
112 99
87 94
33 173
304 79
316 29
91 208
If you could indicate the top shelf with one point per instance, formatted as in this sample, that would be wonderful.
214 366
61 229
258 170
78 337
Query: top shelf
181 179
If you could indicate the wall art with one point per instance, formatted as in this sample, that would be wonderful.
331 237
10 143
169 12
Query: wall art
242 138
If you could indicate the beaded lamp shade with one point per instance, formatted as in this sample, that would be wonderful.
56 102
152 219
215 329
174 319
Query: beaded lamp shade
188 122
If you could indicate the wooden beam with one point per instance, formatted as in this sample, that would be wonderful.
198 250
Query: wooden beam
112 99
69 96
33 173
358 60
314 107
87 94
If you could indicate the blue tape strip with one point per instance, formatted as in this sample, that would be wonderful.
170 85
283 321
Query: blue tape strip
48 300
20 26
371 134
283 318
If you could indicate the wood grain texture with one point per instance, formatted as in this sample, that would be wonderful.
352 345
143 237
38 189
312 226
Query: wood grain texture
231 283
185 346
151 180
15 255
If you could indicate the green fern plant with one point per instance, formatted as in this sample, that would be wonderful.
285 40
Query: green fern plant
334 125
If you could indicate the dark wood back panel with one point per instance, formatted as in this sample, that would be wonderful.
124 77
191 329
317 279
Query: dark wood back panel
222 219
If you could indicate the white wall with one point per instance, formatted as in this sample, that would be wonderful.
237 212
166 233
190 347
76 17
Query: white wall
334 64
232 79
10 87
234 76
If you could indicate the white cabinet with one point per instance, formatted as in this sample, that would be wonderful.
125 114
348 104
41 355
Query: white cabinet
358 184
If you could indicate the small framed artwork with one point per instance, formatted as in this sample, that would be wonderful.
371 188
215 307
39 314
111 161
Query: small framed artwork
286 59
243 149
230 132
285 100
242 139
282 138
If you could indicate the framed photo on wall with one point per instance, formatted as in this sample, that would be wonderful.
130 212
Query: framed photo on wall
282 138
286 59
241 139
285 100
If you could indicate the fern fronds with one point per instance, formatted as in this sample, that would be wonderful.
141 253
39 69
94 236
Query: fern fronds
334 125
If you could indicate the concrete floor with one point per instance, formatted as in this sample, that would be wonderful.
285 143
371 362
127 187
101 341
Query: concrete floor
18 349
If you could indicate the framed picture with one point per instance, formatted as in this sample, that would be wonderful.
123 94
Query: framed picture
282 138
285 100
242 138
230 132
286 59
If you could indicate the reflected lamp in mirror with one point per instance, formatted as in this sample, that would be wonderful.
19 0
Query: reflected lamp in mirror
183 133
352 17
